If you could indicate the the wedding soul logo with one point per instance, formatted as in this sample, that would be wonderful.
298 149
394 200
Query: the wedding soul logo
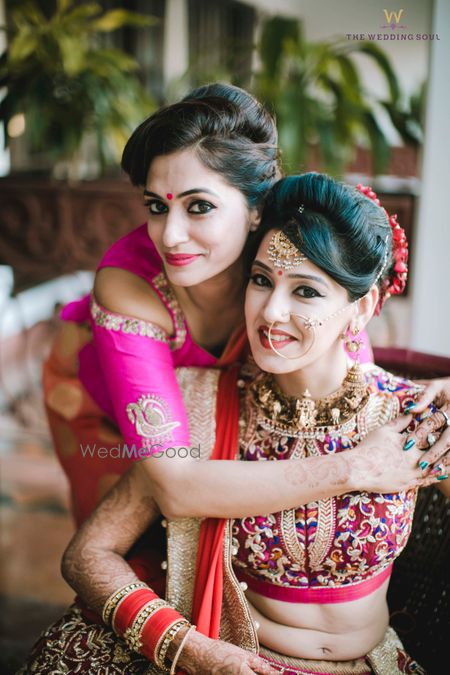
393 25
395 30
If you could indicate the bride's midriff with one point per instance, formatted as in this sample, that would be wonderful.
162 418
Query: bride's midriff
337 631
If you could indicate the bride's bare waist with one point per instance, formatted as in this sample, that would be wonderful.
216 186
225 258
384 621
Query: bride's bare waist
315 644
344 631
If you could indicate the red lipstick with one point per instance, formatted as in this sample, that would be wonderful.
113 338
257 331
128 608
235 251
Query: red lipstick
279 338
180 259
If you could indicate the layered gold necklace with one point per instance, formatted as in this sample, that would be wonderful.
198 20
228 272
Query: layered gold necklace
291 413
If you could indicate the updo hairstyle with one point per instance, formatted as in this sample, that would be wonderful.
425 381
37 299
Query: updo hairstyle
229 129
336 227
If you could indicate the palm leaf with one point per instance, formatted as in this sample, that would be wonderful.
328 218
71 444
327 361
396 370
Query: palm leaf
381 59
116 18
275 33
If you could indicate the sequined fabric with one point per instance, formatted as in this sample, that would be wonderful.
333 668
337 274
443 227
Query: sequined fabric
75 645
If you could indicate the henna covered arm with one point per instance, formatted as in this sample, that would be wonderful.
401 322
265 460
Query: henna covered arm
93 563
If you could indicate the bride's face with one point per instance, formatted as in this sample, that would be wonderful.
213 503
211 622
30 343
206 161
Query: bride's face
197 221
285 299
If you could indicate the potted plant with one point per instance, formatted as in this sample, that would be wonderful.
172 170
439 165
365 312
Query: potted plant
75 93
319 99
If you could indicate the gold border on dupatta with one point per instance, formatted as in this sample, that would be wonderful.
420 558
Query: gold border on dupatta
199 388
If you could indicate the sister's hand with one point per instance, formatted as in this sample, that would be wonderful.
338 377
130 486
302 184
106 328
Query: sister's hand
203 656
434 431
380 462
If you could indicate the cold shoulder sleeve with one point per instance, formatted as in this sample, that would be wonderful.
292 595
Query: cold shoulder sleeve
136 361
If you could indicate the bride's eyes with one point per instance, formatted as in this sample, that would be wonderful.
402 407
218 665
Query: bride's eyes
260 280
304 291
200 206
308 292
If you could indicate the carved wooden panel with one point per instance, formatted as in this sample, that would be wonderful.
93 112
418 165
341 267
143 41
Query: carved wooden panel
49 228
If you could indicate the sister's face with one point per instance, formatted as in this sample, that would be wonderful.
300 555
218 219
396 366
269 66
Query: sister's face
197 221
277 295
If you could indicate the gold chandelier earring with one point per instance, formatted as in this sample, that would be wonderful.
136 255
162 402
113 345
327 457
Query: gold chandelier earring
352 344
355 376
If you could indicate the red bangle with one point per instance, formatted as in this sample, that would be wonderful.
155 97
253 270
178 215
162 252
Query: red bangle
154 629
128 608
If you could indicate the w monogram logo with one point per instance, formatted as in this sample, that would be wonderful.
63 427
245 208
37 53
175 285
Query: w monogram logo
396 15
390 16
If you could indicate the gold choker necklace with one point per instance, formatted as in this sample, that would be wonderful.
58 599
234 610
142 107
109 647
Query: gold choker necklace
289 412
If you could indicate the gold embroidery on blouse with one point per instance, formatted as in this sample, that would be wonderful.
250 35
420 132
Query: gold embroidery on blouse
152 418
290 538
161 283
126 324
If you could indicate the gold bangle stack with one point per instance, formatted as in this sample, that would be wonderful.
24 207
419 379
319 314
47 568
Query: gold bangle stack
133 634
166 639
114 599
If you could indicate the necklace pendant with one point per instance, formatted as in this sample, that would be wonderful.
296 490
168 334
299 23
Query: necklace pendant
306 411
335 415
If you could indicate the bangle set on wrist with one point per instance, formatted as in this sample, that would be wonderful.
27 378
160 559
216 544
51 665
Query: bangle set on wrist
146 622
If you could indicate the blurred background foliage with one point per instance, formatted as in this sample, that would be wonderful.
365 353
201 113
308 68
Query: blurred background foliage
72 87
69 86
317 93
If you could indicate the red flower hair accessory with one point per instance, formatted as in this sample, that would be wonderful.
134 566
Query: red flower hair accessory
396 282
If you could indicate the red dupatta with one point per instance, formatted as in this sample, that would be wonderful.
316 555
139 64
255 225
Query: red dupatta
208 589
207 604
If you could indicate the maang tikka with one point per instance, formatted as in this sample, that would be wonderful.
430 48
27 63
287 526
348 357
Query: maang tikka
283 253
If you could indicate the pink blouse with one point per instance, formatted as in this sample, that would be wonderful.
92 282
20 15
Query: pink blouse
129 366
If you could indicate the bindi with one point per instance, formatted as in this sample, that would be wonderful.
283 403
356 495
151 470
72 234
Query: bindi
280 273
169 196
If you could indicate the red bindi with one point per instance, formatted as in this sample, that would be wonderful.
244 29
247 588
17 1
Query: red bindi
169 195
280 273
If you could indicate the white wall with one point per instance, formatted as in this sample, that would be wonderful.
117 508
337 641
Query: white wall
430 327
328 19
176 40
4 154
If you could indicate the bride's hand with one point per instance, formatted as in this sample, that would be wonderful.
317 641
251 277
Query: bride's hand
382 462
203 656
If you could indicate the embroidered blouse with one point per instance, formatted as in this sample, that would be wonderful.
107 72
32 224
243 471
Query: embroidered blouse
329 550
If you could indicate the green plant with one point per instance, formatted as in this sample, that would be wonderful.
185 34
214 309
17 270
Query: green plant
318 97
58 74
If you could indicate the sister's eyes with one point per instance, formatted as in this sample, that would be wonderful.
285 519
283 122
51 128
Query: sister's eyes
199 206
156 207
303 291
